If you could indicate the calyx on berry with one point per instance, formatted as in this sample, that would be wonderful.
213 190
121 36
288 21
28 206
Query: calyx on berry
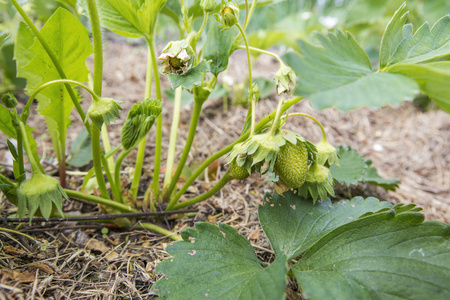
327 154
318 184
285 80
178 57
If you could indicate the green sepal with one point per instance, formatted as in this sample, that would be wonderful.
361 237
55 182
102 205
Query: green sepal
9 100
318 184
327 154
295 138
140 120
104 110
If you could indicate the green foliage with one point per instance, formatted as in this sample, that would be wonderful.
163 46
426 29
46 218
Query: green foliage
387 254
218 263
346 249
355 168
81 150
192 78
69 41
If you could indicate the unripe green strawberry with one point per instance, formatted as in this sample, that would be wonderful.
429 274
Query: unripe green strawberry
237 171
292 164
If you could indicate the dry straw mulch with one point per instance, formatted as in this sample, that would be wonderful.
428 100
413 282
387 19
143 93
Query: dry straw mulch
78 261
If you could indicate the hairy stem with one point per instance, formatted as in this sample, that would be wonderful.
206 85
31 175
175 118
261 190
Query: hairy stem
227 177
173 138
99 200
190 138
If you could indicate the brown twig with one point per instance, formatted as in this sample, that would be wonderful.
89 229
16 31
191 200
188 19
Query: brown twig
103 217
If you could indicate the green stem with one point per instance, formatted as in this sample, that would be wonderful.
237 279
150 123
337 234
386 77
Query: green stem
227 177
252 8
115 188
20 161
227 149
190 138
98 47
246 12
34 164
26 109
250 82
160 230
99 200
276 121
324 136
4 179
173 138
119 161
51 55
158 142
199 33
97 160
141 148
263 52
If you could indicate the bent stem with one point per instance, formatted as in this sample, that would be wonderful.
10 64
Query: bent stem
100 200
249 14
263 52
227 177
227 149
324 136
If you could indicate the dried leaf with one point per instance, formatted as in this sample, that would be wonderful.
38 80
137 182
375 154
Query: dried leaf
43 267
13 251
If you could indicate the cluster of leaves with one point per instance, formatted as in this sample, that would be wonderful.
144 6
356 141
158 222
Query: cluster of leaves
352 249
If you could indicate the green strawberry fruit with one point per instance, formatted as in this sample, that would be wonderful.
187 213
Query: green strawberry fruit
292 164
237 171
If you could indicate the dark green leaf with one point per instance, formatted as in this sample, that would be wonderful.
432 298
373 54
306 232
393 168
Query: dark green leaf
81 150
294 224
433 79
217 46
218 263
193 77
386 255
12 150
338 73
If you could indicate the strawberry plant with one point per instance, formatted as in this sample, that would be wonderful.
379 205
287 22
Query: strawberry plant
354 248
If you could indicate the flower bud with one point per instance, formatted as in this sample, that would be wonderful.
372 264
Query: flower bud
178 57
104 110
318 184
9 100
208 5
229 15
285 80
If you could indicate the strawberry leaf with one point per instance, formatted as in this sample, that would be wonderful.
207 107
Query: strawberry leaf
6 125
337 72
433 79
401 45
390 254
294 224
355 168
81 150
218 263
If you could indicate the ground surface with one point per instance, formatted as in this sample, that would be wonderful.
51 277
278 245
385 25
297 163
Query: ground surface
76 261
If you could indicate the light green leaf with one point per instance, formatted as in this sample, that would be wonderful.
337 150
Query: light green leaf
131 18
408 47
140 120
6 125
81 150
386 255
217 46
338 73
192 78
294 224
433 79
218 263
70 43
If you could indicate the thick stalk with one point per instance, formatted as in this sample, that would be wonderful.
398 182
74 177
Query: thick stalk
276 121
51 55
173 138
97 160
190 138
99 200
20 161
227 177
227 149
252 99
160 230
141 148
117 195
34 164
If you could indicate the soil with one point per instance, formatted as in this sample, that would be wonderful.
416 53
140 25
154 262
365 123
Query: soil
85 261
